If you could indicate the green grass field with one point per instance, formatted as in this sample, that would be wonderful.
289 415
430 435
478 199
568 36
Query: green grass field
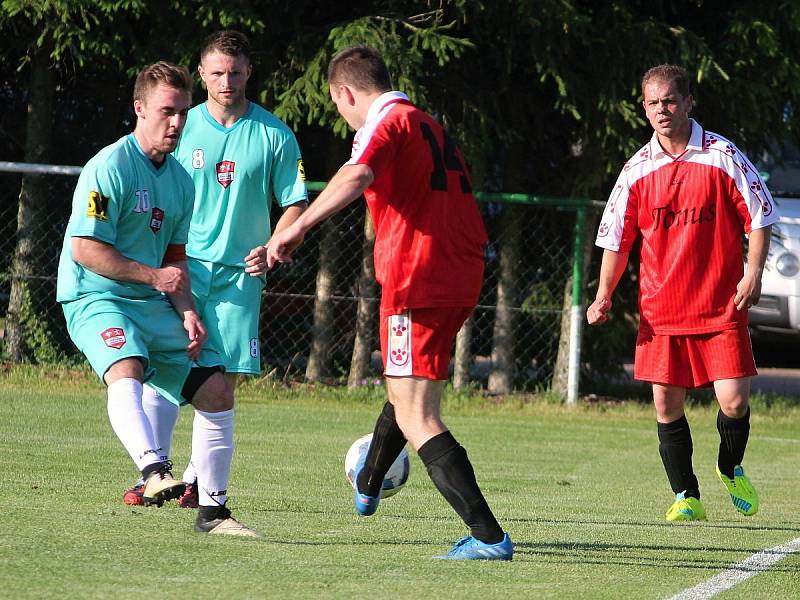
581 491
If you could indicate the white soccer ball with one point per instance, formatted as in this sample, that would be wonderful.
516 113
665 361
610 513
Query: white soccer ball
396 476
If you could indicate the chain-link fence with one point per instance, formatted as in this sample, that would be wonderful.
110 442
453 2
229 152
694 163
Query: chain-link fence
319 314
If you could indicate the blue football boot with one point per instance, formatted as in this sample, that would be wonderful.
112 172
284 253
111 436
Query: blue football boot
365 505
470 548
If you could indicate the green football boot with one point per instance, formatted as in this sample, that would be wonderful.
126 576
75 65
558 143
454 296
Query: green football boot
686 509
743 495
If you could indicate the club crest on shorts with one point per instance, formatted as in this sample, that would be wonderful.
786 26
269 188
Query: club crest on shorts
114 337
156 219
398 359
225 172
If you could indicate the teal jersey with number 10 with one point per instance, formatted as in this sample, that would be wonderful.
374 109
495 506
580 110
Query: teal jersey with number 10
124 200
237 171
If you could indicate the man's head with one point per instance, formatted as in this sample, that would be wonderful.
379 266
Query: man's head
225 68
162 95
357 75
667 101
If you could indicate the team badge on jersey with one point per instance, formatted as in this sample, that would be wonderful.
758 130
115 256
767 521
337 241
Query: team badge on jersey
156 219
225 171
114 337
98 206
301 169
399 341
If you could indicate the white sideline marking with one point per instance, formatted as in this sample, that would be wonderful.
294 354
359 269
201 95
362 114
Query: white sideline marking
741 571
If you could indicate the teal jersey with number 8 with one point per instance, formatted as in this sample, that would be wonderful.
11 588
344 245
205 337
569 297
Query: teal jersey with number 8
237 171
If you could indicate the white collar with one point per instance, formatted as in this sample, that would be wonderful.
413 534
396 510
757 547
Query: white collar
381 101
695 140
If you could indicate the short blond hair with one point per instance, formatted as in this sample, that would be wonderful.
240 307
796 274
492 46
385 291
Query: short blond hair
162 72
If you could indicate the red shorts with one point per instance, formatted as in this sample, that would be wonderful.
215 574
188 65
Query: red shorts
418 342
691 361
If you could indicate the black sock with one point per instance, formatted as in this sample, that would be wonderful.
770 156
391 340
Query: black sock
209 513
387 442
675 447
733 436
452 474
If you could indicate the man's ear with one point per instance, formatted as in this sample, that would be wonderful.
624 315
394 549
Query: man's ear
349 95
138 108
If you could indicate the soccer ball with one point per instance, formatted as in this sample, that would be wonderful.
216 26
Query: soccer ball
396 476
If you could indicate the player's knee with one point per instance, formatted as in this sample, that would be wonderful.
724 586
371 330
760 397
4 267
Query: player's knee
207 390
735 407
129 368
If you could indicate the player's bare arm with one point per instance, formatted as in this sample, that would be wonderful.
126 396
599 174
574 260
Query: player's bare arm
344 187
611 269
183 303
748 290
107 261
256 261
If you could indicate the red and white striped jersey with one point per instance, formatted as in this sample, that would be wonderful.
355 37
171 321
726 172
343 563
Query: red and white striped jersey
691 211
429 235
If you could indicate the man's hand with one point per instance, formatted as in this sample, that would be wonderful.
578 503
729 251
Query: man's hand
597 312
282 244
197 333
257 262
748 292
170 280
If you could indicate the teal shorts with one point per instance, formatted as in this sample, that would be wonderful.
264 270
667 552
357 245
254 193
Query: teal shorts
228 301
108 328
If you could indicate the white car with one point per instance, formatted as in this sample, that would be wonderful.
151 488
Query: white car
778 312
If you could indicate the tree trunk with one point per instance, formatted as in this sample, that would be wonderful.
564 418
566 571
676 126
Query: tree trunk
561 370
318 366
463 357
32 197
367 315
501 376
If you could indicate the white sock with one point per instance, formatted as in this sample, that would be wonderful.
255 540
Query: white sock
212 452
190 474
130 423
162 415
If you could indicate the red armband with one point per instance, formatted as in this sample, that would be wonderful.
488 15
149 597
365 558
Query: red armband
174 253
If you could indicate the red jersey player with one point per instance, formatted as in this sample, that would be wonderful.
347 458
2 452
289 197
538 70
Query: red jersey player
429 253
690 194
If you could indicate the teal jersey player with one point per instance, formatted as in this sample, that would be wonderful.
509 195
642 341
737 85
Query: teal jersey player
125 291
237 171
241 159
122 199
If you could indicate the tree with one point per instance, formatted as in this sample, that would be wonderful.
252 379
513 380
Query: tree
546 89
367 311
58 29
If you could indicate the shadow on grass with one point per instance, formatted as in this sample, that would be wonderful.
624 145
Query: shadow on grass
386 514
641 555
790 529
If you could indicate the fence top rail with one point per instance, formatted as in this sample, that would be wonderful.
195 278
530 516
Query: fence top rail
318 186
18 167
507 198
